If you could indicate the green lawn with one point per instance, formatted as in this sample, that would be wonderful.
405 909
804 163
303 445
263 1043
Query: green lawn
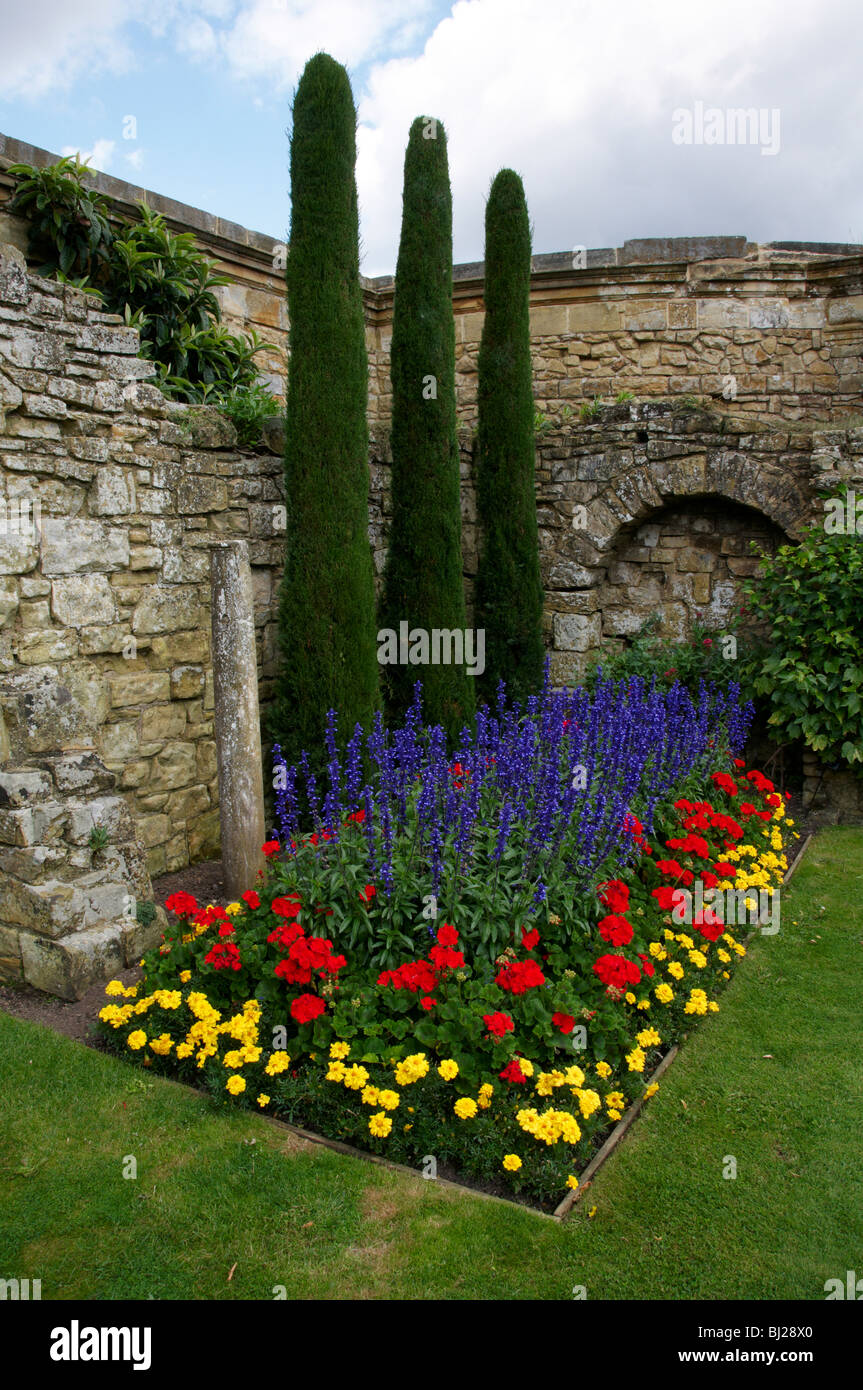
774 1080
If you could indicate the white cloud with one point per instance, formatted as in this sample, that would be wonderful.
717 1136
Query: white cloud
135 158
47 45
578 97
99 157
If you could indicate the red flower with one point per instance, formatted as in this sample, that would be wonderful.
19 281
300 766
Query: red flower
445 959
287 907
669 866
520 976
616 931
427 1003
306 1007
617 971
369 892
646 964
614 895
565 1022
357 816
739 762
181 903
666 898
447 935
513 1072
529 939
724 869
226 929
251 898
223 955
498 1024
271 847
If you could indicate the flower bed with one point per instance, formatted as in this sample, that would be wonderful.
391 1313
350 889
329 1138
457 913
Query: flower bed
475 964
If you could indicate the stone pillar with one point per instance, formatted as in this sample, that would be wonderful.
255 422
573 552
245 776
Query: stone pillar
236 716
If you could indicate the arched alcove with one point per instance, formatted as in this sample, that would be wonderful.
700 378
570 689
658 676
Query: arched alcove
684 563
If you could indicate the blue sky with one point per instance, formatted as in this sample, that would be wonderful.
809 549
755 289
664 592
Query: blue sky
596 106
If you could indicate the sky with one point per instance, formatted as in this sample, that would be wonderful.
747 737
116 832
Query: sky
619 117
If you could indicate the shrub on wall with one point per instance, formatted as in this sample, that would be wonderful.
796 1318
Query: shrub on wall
810 674
155 279
423 579
509 595
327 604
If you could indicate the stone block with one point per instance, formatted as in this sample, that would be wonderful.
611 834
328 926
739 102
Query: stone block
80 599
176 766
48 909
139 688
70 546
167 608
186 682
112 493
22 788
71 966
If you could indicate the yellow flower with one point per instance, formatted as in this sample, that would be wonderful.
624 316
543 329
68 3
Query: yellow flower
185 976
572 1181
635 1059
526 1066
388 1099
183 1050
232 1059
629 997
339 1050
380 1125
411 1069
448 1069
115 987
263 1100
137 1039
370 1095
616 1100
603 1070
465 1108
648 1037
698 958
336 1071
651 1090
279 1061
664 993
614 1114
233 908
511 1163
162 1045
355 1077
235 1084
676 969
588 1101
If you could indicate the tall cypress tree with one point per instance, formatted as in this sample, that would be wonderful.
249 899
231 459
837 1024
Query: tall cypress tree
423 583
327 632
509 595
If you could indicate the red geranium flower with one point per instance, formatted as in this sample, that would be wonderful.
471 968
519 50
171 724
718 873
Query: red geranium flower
181 903
529 939
447 935
498 1024
616 931
287 907
513 1072
617 971
306 1007
251 898
565 1022
614 895
271 847
520 976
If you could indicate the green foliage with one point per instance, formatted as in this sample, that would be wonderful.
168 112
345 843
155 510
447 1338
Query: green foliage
69 232
327 629
423 580
145 912
156 280
622 397
811 672
509 594
248 407
542 425
591 410
700 658
98 838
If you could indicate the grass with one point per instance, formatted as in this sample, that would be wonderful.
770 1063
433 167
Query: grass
775 1081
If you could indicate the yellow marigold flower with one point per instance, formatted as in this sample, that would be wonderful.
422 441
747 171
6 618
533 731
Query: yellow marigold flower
411 1069
131 991
380 1125
388 1099
588 1101
183 1050
713 1006
615 1099
370 1095
574 1076
109 1014
448 1069
685 940
235 1084
723 956
465 1108
614 1114
651 1090
355 1077
233 908
644 1004
669 935
279 1061
635 1059
185 976
232 1059
572 1181
676 969
664 993
115 987
336 1071
511 1163
339 1050
263 1100
629 997
725 975
162 1045
603 1070
698 958
526 1066
544 1084
137 1040
648 1037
